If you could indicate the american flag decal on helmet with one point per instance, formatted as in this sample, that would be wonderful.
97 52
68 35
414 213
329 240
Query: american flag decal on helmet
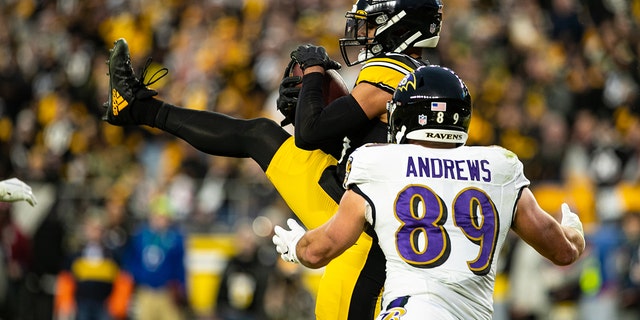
438 106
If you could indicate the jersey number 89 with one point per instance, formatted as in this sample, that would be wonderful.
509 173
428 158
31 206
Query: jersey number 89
422 241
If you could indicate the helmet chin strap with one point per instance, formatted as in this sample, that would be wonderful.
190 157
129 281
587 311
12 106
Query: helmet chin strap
400 134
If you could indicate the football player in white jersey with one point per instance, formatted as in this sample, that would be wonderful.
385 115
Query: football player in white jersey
441 210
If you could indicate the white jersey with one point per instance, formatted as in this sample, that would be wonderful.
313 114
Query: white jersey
441 216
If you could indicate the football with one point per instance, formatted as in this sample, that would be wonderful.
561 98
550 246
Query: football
333 86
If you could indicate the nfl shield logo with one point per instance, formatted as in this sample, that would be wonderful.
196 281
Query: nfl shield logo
422 119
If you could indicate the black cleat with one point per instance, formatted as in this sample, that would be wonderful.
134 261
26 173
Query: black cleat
124 87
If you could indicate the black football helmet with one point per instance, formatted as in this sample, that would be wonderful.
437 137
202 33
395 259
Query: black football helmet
398 25
430 104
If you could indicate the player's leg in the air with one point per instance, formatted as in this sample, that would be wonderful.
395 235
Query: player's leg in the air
351 282
130 103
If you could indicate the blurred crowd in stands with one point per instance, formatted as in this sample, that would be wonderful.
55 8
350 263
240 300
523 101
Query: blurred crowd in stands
556 81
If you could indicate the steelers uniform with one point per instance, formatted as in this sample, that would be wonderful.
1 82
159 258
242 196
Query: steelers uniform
442 217
310 182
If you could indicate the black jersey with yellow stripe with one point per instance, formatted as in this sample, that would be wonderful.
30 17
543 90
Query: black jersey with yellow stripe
387 69
384 71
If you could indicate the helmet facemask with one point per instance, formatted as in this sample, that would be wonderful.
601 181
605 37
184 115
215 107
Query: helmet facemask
377 26
357 45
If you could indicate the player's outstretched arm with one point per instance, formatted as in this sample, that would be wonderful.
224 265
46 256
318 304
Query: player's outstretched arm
318 122
559 238
316 248
13 189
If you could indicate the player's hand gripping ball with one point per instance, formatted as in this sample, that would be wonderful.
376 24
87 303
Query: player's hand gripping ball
333 87
309 55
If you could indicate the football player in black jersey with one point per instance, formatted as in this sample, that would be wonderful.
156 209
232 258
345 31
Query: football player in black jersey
387 38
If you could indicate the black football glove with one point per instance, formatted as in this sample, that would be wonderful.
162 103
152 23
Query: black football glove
309 55
288 95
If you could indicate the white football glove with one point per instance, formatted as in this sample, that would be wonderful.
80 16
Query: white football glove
286 240
571 219
13 189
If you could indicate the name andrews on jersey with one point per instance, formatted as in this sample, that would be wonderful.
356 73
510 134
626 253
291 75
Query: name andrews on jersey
474 170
